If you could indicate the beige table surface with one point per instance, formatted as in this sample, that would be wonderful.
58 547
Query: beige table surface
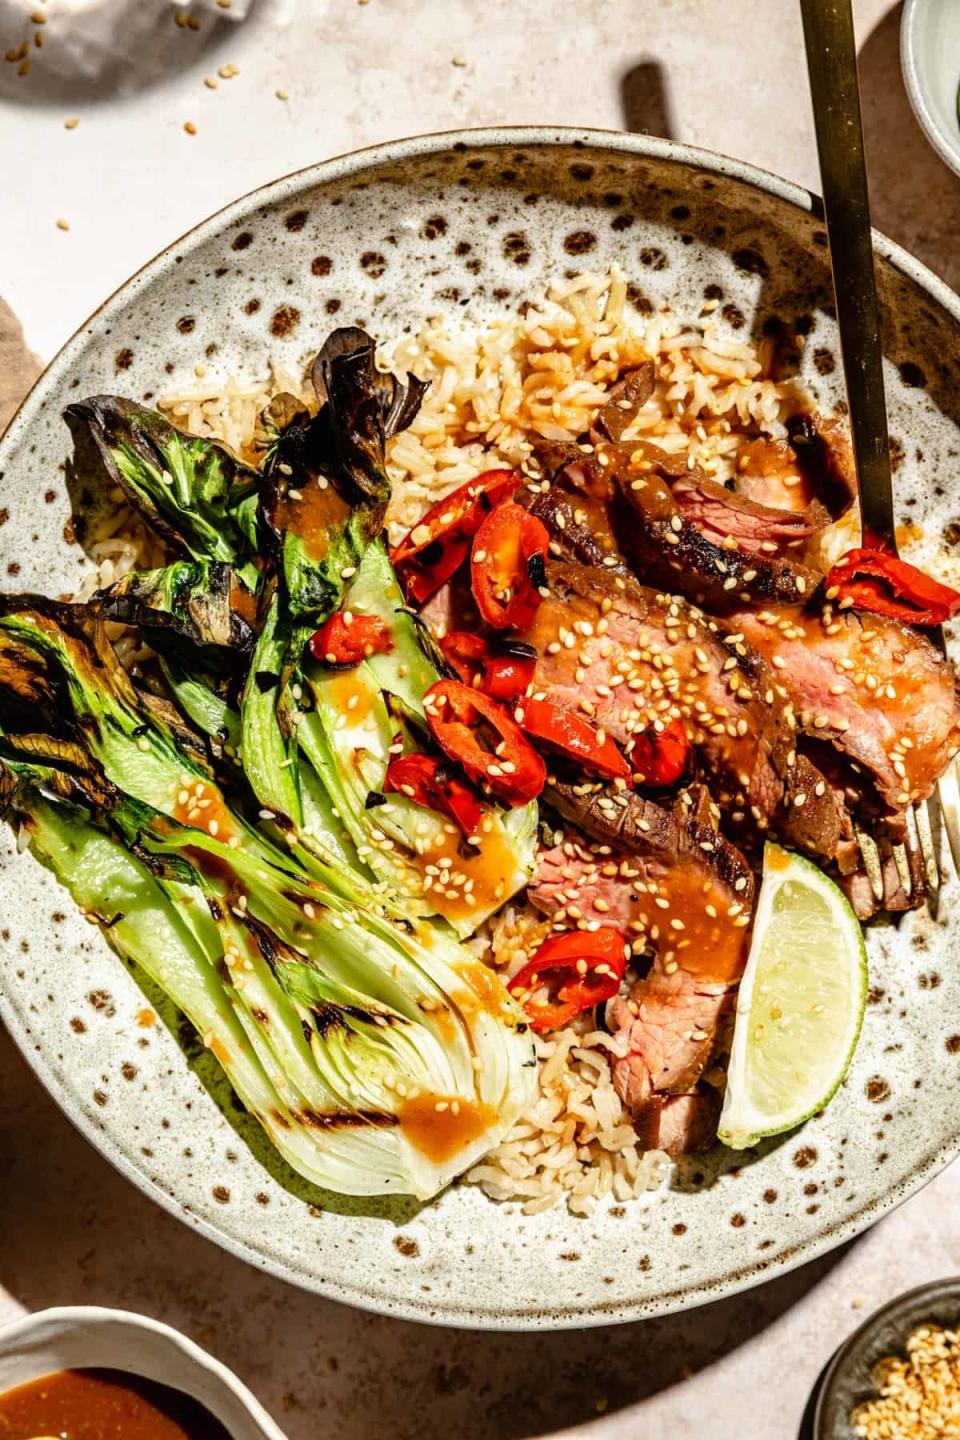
723 73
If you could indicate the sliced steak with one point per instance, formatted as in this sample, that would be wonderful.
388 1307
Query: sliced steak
681 893
676 887
713 546
626 657
627 397
877 690
815 816
668 1026
678 1124
578 523
769 472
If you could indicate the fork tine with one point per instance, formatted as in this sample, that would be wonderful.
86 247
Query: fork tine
948 793
930 867
903 869
871 862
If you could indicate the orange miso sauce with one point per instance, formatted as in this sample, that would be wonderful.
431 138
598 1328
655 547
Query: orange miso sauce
103 1405
441 1125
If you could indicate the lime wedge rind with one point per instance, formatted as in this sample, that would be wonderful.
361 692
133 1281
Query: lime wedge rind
800 1006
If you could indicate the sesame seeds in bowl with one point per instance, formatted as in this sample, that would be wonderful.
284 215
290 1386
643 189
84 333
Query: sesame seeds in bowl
898 1376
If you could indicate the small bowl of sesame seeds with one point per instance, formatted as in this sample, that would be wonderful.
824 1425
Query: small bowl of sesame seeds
898 1376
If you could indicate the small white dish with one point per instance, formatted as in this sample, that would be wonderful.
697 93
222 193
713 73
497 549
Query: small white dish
86 1336
930 58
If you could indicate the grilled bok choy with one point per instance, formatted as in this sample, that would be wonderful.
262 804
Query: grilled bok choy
381 1059
225 810
359 720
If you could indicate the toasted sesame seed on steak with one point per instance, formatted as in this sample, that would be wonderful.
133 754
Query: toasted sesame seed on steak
880 692
628 657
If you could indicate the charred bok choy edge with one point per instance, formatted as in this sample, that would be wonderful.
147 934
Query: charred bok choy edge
342 1031
200 500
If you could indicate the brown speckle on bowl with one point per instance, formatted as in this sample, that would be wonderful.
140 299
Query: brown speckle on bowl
406 1246
321 265
877 1090
102 1001
516 247
912 375
296 220
221 1194
284 321
751 262
580 242
374 263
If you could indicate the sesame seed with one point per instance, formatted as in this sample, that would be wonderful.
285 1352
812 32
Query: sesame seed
63 224
190 128
72 123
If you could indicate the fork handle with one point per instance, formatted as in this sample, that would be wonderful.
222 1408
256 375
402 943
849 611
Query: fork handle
832 65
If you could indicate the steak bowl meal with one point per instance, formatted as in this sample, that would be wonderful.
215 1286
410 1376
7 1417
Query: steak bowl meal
483 730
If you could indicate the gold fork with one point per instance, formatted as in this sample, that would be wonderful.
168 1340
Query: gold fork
832 67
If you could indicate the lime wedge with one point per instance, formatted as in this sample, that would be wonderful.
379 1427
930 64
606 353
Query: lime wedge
800 1005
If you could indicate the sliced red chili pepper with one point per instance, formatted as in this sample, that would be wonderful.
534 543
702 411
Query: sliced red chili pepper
480 735
581 968
430 782
346 639
573 736
660 757
507 566
885 585
506 677
438 544
504 674
467 654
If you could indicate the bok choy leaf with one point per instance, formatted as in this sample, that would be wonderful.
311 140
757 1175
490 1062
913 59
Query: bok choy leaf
191 491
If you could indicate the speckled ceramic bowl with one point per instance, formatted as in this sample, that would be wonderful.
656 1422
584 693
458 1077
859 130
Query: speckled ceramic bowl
472 224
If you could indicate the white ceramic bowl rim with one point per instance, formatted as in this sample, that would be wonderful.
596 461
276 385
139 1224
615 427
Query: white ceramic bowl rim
946 145
345 167
40 1331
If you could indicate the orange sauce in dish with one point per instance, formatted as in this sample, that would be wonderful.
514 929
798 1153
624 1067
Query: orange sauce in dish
312 516
203 809
488 865
351 696
103 1405
440 1133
